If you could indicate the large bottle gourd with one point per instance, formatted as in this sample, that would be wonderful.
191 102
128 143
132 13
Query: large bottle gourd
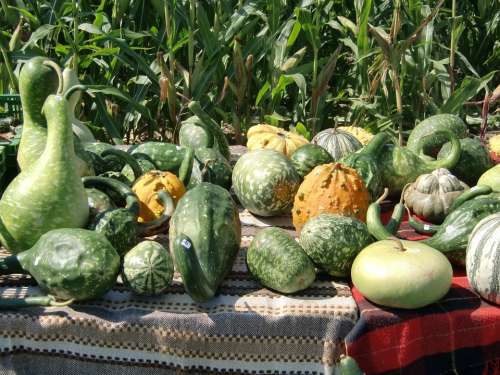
37 80
49 194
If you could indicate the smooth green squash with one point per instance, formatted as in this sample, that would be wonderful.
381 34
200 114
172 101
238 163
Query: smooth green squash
49 194
37 80
68 264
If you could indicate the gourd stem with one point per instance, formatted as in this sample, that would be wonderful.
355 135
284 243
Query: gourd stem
383 196
401 198
74 88
398 242
127 158
449 161
149 228
375 144
470 194
10 265
58 71
186 166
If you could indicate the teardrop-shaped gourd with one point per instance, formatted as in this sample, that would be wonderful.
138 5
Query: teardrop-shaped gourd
37 80
49 194
274 138
332 188
146 188
432 194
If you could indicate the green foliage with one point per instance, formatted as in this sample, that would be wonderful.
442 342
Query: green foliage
377 64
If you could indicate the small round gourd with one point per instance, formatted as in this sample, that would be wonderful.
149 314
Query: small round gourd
306 157
265 182
432 194
148 268
274 138
361 134
482 261
146 188
332 188
337 143
333 241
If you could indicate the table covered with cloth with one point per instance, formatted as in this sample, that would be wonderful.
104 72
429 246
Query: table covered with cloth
244 330
458 335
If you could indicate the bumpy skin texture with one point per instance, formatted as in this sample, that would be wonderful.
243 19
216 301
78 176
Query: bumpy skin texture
483 258
50 194
204 235
333 241
274 138
210 166
332 188
432 195
119 226
166 156
408 275
306 157
338 143
72 263
491 178
36 83
146 188
148 268
429 126
265 182
474 160
454 233
361 134
278 261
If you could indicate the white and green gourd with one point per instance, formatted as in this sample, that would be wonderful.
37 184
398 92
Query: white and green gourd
338 143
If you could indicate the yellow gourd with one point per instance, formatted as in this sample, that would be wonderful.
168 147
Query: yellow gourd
494 144
271 137
361 134
146 188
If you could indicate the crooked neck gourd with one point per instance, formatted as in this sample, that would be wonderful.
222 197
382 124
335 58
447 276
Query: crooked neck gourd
49 194
38 79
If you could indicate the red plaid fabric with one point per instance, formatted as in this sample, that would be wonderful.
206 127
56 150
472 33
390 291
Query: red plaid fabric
458 335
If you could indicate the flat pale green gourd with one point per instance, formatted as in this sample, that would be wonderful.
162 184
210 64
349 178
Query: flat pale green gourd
49 194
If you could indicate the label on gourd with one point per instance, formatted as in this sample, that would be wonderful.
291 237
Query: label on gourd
186 244
427 227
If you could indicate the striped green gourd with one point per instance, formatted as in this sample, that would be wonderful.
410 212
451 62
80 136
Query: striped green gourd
338 143
204 235
333 241
148 268
483 258
278 261
306 157
265 182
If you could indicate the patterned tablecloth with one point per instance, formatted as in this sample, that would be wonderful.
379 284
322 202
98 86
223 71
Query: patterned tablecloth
245 329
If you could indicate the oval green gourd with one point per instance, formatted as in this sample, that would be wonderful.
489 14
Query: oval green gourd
204 235
37 80
428 129
278 261
49 194
69 264
210 166
265 182
333 241
148 268
306 157
491 178
192 134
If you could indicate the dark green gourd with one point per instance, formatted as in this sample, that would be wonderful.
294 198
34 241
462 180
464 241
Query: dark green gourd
49 194
204 235
37 80
68 264
306 157
210 166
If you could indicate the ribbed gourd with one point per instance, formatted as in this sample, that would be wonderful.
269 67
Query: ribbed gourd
49 194
147 187
332 188
273 138
361 134
338 143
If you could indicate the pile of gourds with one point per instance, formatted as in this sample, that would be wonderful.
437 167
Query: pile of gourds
79 209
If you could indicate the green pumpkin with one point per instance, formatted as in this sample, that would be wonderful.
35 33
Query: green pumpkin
204 235
474 160
210 166
306 157
333 241
148 268
265 182
338 143
278 262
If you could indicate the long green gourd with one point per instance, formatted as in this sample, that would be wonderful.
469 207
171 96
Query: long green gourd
39 79
70 264
49 194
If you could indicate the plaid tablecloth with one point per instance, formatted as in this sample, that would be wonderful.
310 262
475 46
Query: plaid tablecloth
244 330
458 335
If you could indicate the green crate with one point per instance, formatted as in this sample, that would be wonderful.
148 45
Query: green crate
3 160
11 107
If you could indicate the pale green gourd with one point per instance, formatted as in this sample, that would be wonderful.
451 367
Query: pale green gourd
49 194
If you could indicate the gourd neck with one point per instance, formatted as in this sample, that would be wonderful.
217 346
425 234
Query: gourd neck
450 160
60 144
375 144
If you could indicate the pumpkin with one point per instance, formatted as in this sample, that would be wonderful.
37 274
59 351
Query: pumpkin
146 188
432 195
361 134
338 143
482 261
271 137
332 188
